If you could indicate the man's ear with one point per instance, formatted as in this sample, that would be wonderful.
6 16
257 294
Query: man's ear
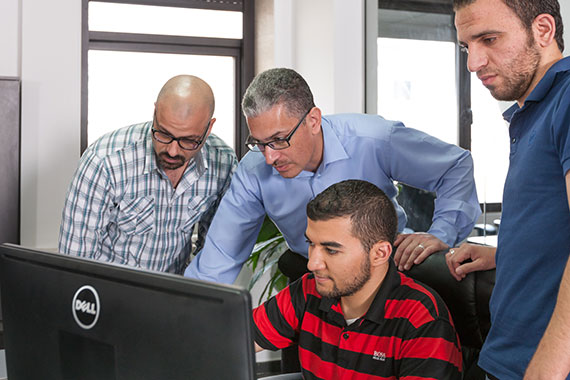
380 253
314 117
212 121
544 29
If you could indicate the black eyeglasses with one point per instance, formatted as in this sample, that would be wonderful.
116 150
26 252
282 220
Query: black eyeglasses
276 144
185 143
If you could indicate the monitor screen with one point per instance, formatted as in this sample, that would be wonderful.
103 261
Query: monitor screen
73 318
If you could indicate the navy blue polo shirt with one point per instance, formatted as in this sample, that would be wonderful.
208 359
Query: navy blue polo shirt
534 237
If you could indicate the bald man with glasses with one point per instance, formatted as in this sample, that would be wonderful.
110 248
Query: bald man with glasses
295 153
139 191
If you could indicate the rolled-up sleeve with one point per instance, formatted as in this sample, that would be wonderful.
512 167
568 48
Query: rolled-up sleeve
425 162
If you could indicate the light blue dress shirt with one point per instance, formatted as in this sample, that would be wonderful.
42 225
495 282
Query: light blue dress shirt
356 146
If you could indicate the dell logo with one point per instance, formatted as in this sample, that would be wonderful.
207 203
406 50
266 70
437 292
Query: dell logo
85 307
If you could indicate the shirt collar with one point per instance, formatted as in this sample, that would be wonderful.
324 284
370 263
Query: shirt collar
333 148
542 88
195 169
150 158
392 280
376 311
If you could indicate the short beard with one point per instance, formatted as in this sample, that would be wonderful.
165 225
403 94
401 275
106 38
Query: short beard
357 283
523 69
165 165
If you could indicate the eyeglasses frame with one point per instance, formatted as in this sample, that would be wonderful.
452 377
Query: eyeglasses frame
284 139
177 139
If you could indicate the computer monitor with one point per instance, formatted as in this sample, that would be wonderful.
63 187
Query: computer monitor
72 318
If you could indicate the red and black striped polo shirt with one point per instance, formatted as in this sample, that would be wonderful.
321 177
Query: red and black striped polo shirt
406 334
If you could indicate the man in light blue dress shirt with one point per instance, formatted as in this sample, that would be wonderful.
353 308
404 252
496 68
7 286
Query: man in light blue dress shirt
295 153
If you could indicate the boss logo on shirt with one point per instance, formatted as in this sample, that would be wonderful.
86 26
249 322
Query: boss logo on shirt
379 355
85 307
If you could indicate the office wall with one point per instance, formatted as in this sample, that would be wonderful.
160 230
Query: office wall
324 41
40 41
10 38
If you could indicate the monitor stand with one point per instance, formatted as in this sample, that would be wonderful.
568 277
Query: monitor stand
3 373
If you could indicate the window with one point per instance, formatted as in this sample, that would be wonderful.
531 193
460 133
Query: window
422 80
131 47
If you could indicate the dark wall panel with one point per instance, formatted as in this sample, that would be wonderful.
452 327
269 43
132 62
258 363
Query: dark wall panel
9 160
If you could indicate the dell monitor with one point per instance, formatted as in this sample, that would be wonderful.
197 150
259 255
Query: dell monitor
72 318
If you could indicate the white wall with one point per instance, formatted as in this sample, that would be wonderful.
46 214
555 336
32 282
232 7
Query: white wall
9 38
324 41
40 41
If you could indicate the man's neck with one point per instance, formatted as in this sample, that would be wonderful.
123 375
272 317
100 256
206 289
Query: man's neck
356 305
540 72
318 153
176 175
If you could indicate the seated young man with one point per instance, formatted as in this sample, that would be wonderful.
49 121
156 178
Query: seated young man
355 316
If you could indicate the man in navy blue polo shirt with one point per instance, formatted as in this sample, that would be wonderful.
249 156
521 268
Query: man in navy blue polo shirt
515 47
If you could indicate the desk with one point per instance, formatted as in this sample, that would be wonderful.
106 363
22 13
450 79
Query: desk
490 240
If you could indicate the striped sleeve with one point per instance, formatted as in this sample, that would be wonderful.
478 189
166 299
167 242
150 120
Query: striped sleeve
277 322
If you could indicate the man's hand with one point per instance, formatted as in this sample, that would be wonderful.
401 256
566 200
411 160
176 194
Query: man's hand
414 248
482 258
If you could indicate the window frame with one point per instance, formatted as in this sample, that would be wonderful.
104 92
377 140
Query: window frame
242 50
462 74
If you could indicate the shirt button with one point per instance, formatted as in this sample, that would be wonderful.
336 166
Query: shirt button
345 335
514 140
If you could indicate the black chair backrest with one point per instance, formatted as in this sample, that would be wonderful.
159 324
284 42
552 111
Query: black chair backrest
467 300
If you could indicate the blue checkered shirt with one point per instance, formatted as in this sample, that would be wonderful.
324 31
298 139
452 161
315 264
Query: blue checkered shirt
122 208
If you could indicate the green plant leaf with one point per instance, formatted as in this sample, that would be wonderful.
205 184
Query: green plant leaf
268 230
269 247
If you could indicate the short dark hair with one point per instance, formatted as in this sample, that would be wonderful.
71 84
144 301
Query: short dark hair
527 10
371 212
277 86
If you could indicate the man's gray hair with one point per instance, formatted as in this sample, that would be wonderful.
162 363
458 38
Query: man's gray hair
277 86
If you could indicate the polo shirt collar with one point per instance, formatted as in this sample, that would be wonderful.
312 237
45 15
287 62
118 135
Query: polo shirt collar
392 280
542 88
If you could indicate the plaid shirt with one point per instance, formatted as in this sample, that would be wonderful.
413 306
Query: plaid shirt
121 207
